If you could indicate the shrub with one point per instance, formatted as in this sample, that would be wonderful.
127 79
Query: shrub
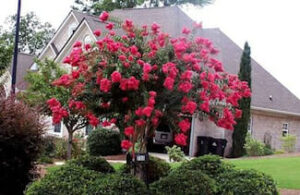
20 145
117 184
289 143
249 182
103 142
48 148
211 165
268 150
61 148
45 160
157 168
175 153
184 182
279 152
93 163
68 179
254 147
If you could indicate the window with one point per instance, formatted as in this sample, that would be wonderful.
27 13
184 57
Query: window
72 28
34 67
57 128
87 39
88 129
285 129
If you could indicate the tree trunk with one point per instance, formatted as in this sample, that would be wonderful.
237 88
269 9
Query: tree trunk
69 146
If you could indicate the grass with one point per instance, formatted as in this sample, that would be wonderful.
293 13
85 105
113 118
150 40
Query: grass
53 168
285 170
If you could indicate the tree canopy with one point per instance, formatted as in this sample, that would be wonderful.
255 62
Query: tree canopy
95 7
135 79
34 35
6 51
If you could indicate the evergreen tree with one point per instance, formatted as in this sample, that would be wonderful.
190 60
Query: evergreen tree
241 128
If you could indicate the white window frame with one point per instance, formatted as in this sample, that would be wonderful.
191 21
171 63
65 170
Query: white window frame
285 129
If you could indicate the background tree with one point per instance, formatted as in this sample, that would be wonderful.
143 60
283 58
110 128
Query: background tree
6 50
34 34
241 128
95 7
40 90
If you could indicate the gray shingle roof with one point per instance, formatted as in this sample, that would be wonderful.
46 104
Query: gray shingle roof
173 19
24 63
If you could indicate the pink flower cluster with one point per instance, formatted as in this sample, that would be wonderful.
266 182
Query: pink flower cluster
58 112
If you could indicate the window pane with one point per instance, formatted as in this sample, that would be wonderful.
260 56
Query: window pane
57 128
88 129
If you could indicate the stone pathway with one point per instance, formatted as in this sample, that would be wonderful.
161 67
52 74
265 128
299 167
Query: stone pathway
289 192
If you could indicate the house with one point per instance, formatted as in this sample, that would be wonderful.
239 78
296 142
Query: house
24 64
275 111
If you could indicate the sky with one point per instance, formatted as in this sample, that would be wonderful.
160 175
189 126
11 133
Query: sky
270 26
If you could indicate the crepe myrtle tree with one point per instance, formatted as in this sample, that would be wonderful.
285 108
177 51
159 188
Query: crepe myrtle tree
135 79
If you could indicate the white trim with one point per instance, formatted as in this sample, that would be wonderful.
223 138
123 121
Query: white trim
275 111
92 33
53 50
58 32
191 150
73 38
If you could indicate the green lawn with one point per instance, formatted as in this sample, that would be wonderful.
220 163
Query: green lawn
285 171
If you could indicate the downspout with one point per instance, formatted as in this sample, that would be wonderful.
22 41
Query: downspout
191 149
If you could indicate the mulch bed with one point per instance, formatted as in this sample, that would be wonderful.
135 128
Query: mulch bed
116 157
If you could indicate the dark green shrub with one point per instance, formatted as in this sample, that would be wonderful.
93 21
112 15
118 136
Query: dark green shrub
117 184
268 150
68 179
184 182
45 160
48 148
93 163
157 168
103 142
209 164
248 182
20 144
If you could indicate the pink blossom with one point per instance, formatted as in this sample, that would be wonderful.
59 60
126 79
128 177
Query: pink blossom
105 85
103 16
97 33
116 77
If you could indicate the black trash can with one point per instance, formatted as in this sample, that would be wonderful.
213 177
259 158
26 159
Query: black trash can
203 145
213 146
221 145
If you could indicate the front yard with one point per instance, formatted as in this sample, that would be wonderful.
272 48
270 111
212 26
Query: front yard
284 170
